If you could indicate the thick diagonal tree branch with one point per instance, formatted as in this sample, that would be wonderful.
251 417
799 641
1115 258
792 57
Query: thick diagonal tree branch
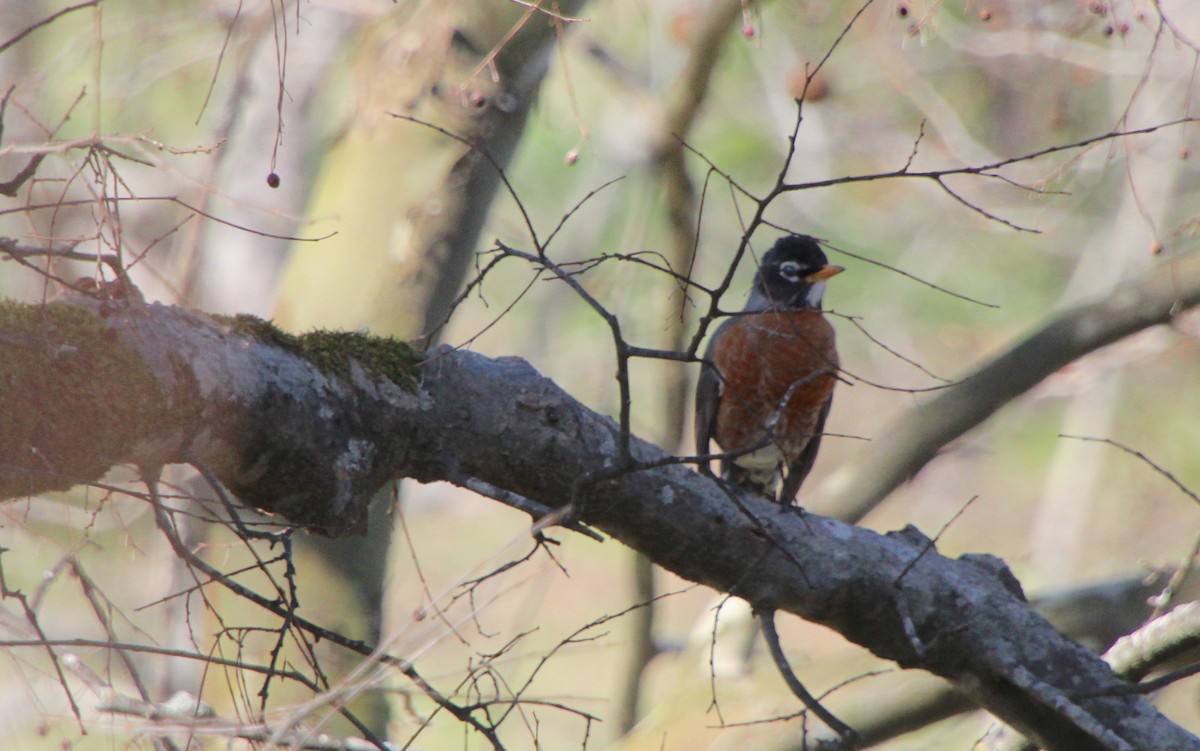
307 427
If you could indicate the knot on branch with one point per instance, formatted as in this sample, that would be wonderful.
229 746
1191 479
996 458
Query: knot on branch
999 570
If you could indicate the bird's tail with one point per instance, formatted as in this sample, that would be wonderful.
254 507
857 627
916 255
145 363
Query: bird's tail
755 482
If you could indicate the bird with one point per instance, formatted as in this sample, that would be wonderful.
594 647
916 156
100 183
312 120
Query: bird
767 377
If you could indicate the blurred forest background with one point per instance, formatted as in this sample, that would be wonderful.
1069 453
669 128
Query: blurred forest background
153 126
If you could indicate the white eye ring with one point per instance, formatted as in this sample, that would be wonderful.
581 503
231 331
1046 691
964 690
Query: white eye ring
790 270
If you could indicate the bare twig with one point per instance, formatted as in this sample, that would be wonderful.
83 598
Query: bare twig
167 527
31 618
844 731
45 22
1134 452
1164 599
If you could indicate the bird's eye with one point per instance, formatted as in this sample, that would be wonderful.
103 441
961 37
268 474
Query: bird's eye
790 270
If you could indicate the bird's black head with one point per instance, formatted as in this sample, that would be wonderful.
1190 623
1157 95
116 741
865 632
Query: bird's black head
792 275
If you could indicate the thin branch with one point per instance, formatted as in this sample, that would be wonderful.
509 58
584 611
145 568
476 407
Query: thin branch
984 170
856 321
537 510
771 636
45 22
614 324
1134 452
980 210
932 544
31 617
1163 599
10 187
117 200
487 155
167 527
151 649
1161 639
893 269
167 719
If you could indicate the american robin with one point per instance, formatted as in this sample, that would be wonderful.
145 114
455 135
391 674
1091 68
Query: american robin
766 383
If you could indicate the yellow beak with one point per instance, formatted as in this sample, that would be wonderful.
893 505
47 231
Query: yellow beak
824 273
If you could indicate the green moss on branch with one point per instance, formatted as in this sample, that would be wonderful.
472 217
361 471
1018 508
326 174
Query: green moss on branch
332 351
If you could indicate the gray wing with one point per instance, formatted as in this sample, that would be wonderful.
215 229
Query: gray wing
708 397
800 468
